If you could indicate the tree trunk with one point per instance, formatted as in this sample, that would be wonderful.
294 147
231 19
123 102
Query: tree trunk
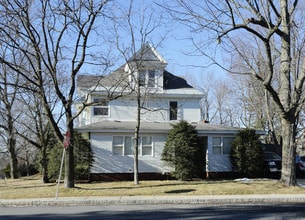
13 161
288 153
272 134
44 165
69 159
137 130
12 148
136 153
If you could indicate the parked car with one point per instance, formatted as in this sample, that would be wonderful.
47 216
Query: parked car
300 165
273 164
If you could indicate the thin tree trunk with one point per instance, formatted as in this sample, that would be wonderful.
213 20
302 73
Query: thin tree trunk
69 160
272 134
137 130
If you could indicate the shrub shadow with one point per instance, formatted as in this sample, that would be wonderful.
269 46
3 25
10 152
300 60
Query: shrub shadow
177 191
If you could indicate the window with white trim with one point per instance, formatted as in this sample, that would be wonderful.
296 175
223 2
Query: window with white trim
123 145
147 78
102 109
117 145
151 78
222 145
146 144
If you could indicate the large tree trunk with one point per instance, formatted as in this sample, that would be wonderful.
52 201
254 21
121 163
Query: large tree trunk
11 143
44 164
288 153
13 160
288 118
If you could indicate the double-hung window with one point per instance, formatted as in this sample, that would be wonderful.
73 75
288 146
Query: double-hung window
123 145
102 109
146 144
222 145
151 78
142 78
117 145
147 78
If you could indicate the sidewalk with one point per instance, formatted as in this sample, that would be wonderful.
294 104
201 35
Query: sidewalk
219 199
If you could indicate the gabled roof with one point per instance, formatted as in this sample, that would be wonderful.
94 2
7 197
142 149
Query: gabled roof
147 53
170 81
120 76
153 127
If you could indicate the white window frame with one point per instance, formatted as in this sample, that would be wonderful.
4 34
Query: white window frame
145 78
151 81
124 147
118 147
103 107
146 145
219 146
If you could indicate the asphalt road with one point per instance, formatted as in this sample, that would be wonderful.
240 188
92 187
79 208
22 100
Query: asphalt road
157 211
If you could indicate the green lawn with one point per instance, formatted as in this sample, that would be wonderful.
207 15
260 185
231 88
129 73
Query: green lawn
32 187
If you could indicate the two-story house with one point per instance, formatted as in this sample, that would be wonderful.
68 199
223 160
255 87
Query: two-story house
164 99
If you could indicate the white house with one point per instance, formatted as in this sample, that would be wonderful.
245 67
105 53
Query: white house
165 99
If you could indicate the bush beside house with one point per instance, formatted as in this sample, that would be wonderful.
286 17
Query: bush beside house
247 154
182 152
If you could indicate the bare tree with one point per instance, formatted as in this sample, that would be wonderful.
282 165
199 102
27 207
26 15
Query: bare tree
8 97
137 26
53 40
36 131
272 24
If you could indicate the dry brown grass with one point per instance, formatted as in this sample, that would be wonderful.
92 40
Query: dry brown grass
32 187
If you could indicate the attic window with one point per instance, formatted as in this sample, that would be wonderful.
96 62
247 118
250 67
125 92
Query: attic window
151 78
142 78
147 78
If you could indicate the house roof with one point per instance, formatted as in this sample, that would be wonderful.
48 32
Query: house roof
120 76
147 53
152 127
170 81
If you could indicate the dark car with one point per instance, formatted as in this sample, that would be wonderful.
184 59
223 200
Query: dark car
300 165
273 164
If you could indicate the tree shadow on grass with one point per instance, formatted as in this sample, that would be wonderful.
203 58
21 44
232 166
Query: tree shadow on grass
177 191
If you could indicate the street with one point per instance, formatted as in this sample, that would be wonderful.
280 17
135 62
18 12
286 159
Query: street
157 211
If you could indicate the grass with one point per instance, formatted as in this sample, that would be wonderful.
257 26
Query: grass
32 187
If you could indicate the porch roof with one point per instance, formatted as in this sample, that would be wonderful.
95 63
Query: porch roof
153 127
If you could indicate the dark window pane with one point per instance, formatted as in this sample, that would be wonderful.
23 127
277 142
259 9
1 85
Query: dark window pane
173 110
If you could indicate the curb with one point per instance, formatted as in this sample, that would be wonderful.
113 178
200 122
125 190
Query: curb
146 200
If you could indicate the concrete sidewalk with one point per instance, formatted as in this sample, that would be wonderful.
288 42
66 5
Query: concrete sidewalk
211 199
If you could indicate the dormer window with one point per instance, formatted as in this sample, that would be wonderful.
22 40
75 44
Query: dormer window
147 78
142 78
151 78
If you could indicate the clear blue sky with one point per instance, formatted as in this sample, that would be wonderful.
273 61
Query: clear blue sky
174 46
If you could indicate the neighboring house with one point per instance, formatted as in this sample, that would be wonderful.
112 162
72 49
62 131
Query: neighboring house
165 98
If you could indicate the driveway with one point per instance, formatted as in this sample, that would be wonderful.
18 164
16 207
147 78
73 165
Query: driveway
301 182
